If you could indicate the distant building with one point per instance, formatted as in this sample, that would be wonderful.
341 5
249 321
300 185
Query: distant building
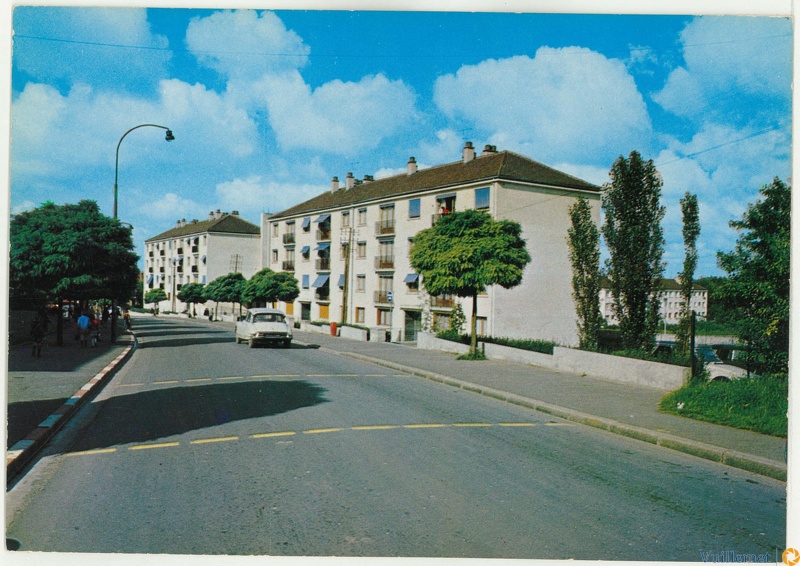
670 299
199 252
349 247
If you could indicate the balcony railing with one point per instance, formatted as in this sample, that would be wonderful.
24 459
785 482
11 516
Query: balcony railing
289 238
382 296
384 227
384 262
323 235
323 264
443 301
288 265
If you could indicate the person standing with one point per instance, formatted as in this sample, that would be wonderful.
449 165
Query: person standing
83 328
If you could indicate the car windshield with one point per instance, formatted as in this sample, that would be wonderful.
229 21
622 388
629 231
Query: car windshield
268 317
707 355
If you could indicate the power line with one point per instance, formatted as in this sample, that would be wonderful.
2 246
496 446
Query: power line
731 142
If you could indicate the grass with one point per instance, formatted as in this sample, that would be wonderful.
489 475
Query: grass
760 405
541 346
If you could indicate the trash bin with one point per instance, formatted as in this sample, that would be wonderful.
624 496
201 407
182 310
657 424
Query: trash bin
333 328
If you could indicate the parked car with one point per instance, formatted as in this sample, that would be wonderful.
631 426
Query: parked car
717 369
263 326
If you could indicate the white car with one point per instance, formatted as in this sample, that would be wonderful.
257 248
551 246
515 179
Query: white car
262 326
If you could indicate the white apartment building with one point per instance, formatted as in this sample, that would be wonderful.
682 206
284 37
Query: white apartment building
199 252
349 247
670 299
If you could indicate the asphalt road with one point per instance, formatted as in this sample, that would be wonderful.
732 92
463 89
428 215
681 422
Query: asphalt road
200 446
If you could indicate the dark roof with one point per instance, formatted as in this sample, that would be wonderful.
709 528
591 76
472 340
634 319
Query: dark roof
226 224
503 165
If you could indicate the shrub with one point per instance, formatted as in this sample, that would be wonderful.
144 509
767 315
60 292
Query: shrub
541 346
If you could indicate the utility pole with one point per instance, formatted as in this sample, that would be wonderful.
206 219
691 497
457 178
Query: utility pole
347 237
235 258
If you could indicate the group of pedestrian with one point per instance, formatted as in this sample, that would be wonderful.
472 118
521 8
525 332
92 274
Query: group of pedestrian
88 328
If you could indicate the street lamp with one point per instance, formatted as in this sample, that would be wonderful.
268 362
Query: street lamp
169 137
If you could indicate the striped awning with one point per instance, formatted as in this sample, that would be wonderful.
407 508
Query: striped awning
321 281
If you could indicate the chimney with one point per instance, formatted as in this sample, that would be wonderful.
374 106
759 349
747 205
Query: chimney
468 153
412 165
334 184
349 181
235 213
218 214
183 222
178 224
368 178
489 149
211 215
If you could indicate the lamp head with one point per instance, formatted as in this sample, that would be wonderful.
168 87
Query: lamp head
169 137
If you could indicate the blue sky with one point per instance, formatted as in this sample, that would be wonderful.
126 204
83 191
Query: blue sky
267 107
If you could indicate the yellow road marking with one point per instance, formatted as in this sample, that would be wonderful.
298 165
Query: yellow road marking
321 430
516 424
374 427
430 425
92 452
272 434
165 382
198 379
131 384
160 445
219 439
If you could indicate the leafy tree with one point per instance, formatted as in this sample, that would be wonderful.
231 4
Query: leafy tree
758 278
691 230
225 289
155 296
192 293
583 238
267 286
635 241
464 252
71 251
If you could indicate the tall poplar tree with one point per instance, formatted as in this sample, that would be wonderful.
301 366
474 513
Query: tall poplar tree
691 230
583 238
635 241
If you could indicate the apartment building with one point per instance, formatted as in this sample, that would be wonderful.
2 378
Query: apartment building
349 247
670 300
199 252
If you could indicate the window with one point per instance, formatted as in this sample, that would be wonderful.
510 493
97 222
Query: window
362 250
482 198
324 312
345 219
362 216
361 283
306 225
360 315
275 229
274 256
413 208
289 309
384 317
305 281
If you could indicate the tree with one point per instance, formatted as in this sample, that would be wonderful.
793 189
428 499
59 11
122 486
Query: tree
691 230
71 251
464 252
192 293
155 296
635 241
267 286
225 289
758 278
583 238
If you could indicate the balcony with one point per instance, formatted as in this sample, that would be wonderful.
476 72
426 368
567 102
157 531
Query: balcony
323 264
323 235
288 265
289 238
384 227
384 262
443 302
383 296
323 295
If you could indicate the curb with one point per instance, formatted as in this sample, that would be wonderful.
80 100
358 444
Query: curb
733 458
24 450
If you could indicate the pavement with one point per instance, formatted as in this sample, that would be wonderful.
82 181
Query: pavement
38 388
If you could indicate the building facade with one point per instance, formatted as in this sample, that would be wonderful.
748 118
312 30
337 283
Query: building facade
670 300
349 247
199 252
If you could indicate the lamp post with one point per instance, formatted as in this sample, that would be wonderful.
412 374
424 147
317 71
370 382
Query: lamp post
169 137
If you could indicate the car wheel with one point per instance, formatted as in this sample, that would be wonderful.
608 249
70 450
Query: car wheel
287 343
251 343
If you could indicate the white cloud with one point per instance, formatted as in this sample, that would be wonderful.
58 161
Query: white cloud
569 103
726 58
245 44
339 117
105 47
256 194
173 207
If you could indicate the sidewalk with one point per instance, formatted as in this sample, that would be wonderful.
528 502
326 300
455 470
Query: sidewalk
618 408
43 392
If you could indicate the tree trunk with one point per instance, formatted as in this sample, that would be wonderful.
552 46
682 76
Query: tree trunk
60 323
473 341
